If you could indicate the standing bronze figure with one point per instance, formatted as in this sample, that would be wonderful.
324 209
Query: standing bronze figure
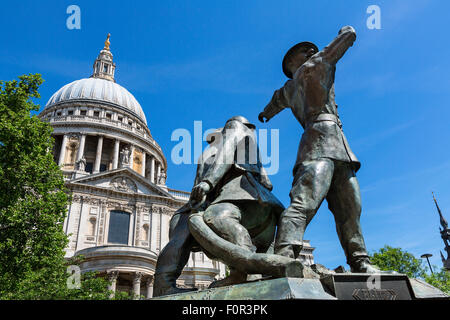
325 165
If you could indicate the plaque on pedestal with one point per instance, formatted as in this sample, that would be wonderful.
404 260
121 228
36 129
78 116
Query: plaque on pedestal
354 286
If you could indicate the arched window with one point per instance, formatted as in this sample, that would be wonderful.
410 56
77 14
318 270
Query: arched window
119 224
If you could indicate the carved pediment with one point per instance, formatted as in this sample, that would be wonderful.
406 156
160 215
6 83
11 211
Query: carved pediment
124 184
122 180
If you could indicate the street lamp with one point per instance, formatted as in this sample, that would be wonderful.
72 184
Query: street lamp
428 255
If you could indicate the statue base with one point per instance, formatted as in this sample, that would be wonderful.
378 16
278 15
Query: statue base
346 286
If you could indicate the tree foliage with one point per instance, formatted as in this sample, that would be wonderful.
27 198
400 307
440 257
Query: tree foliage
33 203
396 259
440 280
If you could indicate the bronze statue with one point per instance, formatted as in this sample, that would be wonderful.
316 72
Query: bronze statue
238 225
325 167
231 215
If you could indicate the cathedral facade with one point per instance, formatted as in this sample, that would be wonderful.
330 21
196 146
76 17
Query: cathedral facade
119 215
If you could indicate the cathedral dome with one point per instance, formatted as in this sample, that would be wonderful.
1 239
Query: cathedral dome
100 90
98 126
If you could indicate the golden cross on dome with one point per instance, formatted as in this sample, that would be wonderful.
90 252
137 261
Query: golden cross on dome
107 43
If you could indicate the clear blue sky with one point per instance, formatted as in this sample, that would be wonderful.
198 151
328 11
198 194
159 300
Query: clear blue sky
210 60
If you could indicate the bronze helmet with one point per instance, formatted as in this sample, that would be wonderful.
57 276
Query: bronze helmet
291 52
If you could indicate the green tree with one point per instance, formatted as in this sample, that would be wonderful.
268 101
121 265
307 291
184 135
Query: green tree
33 204
440 280
389 258
32 197
396 259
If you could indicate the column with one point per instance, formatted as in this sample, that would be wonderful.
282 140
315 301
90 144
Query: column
131 156
62 153
116 154
193 267
137 285
143 162
160 246
158 173
98 156
152 170
149 286
112 277
81 147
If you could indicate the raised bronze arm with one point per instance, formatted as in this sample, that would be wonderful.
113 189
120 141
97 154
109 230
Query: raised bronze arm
337 48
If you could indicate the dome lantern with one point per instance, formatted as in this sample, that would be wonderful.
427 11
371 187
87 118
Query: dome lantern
104 66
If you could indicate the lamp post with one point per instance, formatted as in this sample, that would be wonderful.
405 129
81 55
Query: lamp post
428 255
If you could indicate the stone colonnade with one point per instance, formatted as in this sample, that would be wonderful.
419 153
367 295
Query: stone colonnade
151 173
138 278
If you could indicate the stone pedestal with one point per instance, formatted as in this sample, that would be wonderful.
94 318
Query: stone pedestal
275 289
347 286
